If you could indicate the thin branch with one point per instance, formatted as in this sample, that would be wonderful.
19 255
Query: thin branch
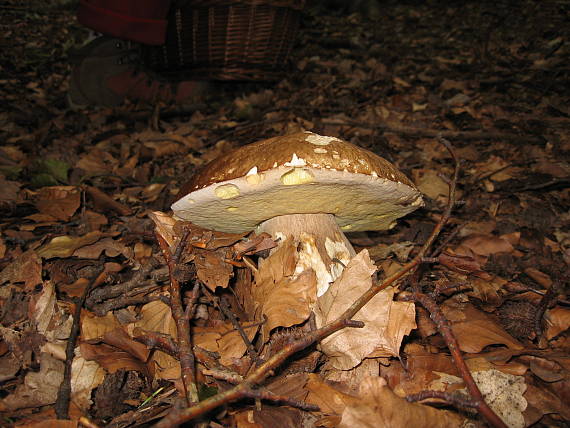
64 392
185 354
177 417
444 328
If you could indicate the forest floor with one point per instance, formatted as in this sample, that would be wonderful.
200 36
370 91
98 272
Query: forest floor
78 190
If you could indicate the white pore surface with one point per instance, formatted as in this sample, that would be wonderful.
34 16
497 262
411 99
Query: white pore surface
358 201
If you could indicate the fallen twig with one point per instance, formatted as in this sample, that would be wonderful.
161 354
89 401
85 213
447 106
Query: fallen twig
443 324
64 392
177 417
185 354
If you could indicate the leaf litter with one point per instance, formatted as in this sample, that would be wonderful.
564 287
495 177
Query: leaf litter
85 189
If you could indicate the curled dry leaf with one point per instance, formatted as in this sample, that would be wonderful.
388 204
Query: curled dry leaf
386 322
111 358
59 202
379 406
225 340
157 316
164 226
39 388
282 296
211 267
557 321
485 245
85 376
503 393
26 268
65 246
475 330
94 327
109 246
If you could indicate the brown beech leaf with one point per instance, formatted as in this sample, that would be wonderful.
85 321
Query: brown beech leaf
557 321
254 244
269 416
156 316
39 388
211 267
94 327
486 245
386 322
329 399
475 330
26 268
85 376
379 406
225 340
120 339
164 226
206 238
59 202
280 295
65 246
111 358
97 161
109 246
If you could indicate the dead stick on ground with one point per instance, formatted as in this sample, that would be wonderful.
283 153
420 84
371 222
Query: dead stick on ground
177 417
444 329
185 354
441 322
64 392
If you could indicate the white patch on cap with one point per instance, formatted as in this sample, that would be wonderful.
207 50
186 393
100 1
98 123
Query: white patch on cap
227 191
319 140
374 174
295 161
297 176
252 177
319 150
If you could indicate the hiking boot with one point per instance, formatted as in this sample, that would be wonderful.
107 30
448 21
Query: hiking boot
108 71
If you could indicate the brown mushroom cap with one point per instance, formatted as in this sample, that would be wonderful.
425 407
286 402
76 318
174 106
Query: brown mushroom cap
302 173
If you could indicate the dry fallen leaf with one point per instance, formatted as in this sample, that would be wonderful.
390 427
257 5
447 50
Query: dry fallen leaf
280 295
380 407
60 202
557 321
26 268
65 246
94 327
386 322
109 246
475 330
39 388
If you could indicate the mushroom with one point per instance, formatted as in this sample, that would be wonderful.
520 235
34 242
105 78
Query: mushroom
303 186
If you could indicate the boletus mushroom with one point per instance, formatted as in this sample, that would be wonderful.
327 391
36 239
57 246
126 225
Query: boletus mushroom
303 186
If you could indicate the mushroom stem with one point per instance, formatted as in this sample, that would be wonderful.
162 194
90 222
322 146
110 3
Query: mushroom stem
321 244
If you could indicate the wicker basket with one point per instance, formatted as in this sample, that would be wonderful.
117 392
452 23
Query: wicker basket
227 40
